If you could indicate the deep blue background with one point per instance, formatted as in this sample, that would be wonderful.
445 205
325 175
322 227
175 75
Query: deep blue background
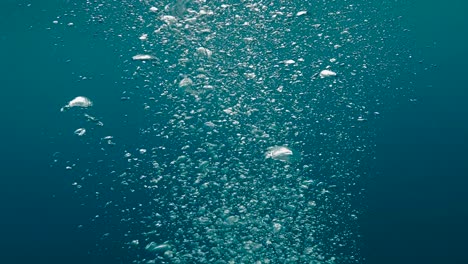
417 201
418 209
38 208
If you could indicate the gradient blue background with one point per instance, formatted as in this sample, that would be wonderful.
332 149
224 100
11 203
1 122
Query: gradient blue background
417 203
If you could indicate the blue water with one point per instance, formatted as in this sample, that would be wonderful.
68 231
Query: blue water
412 209
416 201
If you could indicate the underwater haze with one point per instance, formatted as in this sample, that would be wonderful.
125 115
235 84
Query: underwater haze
197 131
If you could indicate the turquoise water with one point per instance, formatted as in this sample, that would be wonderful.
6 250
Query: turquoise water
181 164
416 203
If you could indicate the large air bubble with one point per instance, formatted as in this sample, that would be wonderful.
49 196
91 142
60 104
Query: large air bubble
282 153
79 101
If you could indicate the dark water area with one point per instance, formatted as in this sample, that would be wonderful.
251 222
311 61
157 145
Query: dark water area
417 201
40 213
416 198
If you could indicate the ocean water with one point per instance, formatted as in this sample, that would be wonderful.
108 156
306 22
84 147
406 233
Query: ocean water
174 161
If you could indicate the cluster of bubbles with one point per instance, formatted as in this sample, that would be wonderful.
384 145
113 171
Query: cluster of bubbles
257 128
